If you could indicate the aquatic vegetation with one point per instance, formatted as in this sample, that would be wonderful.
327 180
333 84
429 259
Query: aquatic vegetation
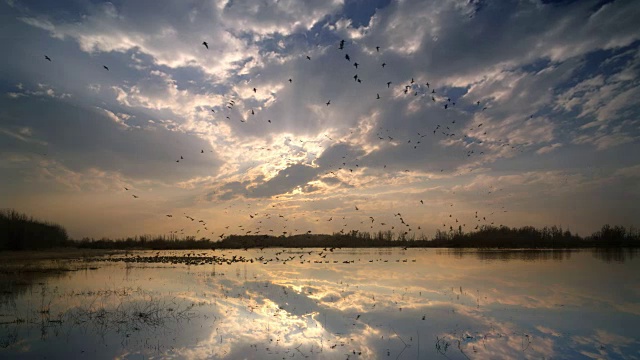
316 303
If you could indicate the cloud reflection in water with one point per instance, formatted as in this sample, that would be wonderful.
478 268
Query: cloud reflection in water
366 303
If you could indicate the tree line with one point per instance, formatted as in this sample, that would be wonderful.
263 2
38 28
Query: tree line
486 237
19 232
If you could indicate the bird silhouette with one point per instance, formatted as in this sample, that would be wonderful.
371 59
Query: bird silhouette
105 66
48 58
347 57
378 48
205 44
384 64
328 102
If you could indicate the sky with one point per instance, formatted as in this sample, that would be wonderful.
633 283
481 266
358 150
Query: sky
114 115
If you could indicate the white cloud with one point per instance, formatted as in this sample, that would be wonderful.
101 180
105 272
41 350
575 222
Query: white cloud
539 92
548 148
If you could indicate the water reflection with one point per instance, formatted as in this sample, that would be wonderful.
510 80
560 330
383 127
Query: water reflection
365 303
616 254
502 255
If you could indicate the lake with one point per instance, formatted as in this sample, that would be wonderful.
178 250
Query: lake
376 303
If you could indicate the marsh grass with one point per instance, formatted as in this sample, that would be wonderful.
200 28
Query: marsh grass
133 311
122 311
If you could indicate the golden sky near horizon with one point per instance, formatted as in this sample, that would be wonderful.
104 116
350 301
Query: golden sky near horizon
500 113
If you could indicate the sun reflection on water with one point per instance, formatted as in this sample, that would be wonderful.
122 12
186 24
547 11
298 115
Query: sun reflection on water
367 303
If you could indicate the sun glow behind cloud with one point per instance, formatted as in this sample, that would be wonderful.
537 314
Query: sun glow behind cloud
222 135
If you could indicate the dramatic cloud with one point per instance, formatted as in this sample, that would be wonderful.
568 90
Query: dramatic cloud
313 109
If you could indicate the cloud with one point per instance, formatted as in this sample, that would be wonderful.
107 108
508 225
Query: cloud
548 148
563 86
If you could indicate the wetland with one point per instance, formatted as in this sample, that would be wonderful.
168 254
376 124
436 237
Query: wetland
321 303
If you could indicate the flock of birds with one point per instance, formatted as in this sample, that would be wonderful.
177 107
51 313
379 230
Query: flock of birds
397 224
320 303
228 257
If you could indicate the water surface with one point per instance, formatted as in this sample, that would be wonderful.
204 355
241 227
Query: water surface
345 303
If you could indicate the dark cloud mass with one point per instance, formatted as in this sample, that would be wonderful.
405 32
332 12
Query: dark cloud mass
521 110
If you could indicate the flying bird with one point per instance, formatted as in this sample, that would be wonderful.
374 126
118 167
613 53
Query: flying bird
308 57
347 57
384 64
48 58
105 66
378 48
205 44
328 102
